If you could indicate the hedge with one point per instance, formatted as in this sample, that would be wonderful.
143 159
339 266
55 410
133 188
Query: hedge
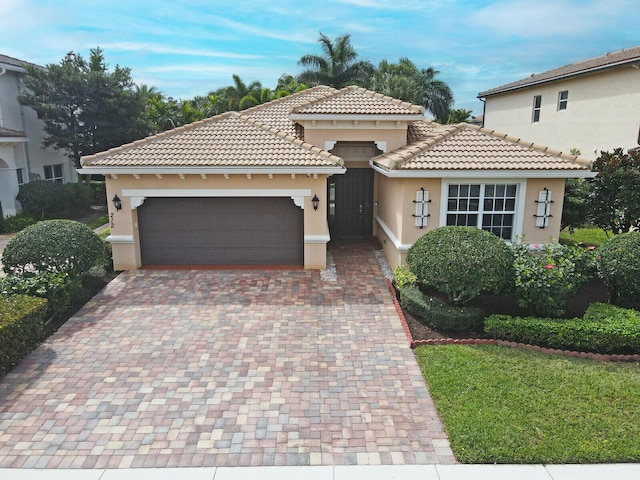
603 329
439 316
21 328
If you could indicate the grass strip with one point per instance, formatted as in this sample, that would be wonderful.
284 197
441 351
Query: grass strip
505 405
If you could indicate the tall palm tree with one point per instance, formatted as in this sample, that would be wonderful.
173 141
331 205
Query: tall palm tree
404 80
337 66
242 96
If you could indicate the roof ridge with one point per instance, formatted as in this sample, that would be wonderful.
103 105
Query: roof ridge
531 145
285 98
160 135
371 93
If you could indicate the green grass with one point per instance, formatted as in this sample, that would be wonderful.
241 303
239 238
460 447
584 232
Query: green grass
505 405
97 222
592 236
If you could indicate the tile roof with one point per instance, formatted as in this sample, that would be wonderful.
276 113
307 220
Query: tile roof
8 133
358 101
14 62
227 140
606 61
468 147
420 130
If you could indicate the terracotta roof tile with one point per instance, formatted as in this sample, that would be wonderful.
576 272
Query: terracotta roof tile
608 60
468 147
358 101
228 140
420 130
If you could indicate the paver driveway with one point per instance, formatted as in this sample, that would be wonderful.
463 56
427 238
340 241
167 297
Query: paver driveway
226 368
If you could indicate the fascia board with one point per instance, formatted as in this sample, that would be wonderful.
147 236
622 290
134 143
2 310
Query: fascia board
210 170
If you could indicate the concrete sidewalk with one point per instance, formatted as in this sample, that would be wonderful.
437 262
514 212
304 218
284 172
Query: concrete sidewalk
367 472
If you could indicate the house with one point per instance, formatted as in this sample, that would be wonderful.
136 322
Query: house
272 185
22 157
591 106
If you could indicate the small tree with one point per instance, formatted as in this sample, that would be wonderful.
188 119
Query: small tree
618 263
461 262
574 206
614 200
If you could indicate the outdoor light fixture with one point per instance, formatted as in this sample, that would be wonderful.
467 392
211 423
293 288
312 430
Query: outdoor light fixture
315 201
117 202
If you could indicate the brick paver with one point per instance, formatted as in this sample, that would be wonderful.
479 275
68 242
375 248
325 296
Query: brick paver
225 368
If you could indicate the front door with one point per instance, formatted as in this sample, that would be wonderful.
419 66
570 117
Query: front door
351 204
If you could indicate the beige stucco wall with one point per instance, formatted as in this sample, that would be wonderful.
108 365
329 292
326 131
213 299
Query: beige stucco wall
602 113
394 134
395 198
126 254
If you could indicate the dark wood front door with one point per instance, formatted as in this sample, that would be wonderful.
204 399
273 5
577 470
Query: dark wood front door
351 204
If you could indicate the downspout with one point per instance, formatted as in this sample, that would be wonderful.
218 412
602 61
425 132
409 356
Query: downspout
484 109
25 149
2 72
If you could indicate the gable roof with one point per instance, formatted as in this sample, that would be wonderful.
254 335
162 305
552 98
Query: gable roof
14 64
227 140
628 56
355 100
468 147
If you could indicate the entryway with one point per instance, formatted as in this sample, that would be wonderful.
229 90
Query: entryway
351 204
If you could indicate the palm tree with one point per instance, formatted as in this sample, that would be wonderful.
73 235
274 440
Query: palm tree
458 115
241 96
337 66
404 80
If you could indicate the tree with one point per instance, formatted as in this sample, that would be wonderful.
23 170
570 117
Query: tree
337 66
614 199
574 206
86 108
404 80
458 115
287 84
241 96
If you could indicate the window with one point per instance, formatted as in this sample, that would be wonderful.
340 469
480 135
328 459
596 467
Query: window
563 99
537 105
53 173
491 207
20 175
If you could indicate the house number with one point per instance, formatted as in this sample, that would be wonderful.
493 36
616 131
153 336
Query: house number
111 223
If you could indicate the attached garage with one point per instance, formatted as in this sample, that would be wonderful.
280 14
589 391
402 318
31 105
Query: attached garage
221 231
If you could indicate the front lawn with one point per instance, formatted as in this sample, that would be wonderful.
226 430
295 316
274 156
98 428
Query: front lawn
592 236
505 405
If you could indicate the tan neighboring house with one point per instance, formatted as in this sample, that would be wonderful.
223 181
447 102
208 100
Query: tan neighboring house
22 158
272 185
592 105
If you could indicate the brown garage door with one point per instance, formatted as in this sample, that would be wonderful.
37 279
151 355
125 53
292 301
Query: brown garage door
221 231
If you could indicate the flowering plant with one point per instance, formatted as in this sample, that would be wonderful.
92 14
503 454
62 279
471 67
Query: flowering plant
545 276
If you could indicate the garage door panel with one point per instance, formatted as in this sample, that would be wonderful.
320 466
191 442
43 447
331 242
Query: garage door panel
221 231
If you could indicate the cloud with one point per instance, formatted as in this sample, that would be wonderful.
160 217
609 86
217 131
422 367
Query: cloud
169 50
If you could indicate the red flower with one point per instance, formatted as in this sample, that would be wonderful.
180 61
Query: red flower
550 266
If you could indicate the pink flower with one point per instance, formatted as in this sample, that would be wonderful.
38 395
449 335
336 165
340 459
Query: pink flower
549 266
592 247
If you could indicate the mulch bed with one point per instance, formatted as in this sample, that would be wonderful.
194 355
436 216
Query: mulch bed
594 291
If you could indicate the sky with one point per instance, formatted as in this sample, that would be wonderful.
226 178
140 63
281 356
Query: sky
193 47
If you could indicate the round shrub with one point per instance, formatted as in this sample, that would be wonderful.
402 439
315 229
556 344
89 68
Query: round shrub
43 198
461 262
618 264
63 246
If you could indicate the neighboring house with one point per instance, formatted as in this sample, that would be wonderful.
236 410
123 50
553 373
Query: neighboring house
22 158
593 105
272 185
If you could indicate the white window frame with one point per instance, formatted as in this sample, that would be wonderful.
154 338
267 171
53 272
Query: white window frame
518 214
52 170
563 103
536 109
20 176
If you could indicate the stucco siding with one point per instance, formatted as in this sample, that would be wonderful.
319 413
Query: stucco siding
550 234
602 113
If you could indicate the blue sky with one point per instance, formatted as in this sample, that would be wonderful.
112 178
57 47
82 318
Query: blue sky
191 49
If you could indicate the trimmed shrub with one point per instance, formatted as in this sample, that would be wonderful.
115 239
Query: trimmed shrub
62 246
16 223
402 276
439 316
99 190
618 264
461 262
79 196
604 329
21 328
544 278
43 198
59 289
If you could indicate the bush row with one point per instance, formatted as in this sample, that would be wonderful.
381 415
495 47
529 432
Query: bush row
21 328
42 199
603 329
439 316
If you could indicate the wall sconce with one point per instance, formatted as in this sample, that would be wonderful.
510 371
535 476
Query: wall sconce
315 201
117 202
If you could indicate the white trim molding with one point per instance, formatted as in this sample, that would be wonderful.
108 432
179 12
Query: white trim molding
119 239
109 170
317 238
137 196
401 247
